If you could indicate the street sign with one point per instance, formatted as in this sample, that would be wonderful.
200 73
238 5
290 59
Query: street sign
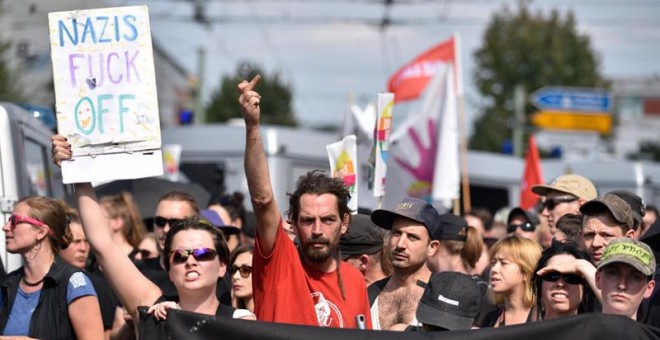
563 120
572 99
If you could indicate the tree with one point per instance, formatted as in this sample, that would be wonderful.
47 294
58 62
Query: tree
10 89
533 51
276 107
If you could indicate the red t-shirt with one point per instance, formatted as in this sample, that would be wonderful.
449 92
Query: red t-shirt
288 291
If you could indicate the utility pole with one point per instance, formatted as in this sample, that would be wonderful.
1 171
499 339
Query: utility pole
200 114
518 120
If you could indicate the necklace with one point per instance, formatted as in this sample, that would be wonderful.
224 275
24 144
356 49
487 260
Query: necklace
32 284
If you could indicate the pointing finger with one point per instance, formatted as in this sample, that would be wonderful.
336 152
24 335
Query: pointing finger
253 82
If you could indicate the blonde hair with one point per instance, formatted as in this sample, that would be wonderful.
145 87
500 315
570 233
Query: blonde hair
523 252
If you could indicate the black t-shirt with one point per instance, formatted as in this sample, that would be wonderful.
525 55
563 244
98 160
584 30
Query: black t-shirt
485 306
107 299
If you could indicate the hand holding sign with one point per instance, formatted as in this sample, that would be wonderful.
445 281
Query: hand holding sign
249 101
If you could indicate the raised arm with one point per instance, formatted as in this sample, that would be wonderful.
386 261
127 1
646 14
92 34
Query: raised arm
131 287
265 207
580 267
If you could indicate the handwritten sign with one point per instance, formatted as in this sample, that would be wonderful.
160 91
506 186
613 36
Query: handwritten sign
105 86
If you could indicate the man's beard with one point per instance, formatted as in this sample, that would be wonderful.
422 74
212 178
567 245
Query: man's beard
319 255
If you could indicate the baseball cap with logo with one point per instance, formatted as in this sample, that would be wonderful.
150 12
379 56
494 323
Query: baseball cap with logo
451 301
575 185
620 209
631 252
362 237
412 208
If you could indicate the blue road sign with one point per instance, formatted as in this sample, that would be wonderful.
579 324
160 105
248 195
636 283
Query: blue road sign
573 99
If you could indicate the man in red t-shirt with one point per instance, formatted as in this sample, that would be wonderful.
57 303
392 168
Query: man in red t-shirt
310 285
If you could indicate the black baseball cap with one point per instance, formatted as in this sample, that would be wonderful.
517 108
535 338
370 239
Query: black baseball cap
412 208
451 227
451 301
518 211
362 237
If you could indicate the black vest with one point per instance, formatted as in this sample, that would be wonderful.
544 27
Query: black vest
50 319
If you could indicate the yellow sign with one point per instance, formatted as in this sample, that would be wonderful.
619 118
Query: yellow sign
567 120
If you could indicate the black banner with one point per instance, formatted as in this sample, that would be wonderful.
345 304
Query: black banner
191 326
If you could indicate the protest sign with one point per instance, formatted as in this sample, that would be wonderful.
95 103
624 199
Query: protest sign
105 89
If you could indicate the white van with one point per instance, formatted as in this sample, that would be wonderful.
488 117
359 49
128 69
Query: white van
25 166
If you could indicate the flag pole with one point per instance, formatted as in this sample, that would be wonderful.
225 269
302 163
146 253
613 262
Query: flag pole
462 140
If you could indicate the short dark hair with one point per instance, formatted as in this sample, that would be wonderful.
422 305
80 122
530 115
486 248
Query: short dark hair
233 203
181 196
571 226
318 183
196 223
482 214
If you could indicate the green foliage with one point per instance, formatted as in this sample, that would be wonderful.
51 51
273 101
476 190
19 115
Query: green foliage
531 50
276 105
10 90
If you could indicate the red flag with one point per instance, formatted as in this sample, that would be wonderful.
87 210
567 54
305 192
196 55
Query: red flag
411 79
533 175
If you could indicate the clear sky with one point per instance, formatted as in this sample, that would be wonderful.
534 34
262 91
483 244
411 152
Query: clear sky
329 49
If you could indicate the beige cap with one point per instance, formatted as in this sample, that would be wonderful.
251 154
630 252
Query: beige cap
575 185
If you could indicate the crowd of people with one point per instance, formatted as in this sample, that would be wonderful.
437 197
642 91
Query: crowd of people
88 272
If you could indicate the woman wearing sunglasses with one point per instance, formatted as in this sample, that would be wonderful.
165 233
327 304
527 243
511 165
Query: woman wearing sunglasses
194 255
561 294
45 298
241 278
513 260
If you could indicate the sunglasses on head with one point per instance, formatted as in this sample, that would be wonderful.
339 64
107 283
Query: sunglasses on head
568 278
161 221
14 220
524 226
551 203
244 270
199 254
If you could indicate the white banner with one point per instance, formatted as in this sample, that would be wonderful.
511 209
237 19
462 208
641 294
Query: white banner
420 151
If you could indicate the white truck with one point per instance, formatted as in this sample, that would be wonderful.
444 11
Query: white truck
25 166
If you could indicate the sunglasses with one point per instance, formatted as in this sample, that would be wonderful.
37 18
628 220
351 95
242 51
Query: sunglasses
551 203
524 226
161 221
568 278
199 254
15 220
244 270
